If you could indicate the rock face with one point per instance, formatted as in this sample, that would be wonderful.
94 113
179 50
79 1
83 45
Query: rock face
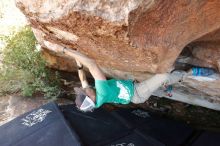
208 52
126 35
128 38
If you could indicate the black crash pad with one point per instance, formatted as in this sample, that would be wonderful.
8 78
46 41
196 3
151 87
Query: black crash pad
171 133
44 126
135 139
94 128
101 128
208 139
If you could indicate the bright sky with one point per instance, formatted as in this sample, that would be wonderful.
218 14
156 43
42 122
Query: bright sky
10 17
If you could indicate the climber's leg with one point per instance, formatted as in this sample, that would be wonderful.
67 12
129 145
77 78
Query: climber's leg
145 89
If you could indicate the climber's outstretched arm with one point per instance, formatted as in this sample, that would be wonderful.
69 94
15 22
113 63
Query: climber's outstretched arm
89 63
82 75
83 59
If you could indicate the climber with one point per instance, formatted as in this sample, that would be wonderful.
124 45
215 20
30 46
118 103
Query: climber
113 90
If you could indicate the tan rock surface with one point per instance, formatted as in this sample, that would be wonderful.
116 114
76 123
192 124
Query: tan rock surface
126 35
128 38
208 52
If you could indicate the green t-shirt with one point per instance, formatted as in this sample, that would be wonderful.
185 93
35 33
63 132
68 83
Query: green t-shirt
113 91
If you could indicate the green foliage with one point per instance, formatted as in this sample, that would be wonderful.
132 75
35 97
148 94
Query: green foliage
24 63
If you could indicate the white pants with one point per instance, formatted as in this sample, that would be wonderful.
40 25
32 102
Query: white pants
143 90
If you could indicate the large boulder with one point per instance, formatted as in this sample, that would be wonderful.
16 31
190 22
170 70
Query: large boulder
131 38
126 36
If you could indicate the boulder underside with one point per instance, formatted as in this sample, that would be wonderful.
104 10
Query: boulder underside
131 38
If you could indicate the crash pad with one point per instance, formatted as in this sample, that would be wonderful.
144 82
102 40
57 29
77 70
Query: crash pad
44 126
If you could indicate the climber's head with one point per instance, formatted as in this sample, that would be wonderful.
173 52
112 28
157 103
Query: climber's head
85 98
